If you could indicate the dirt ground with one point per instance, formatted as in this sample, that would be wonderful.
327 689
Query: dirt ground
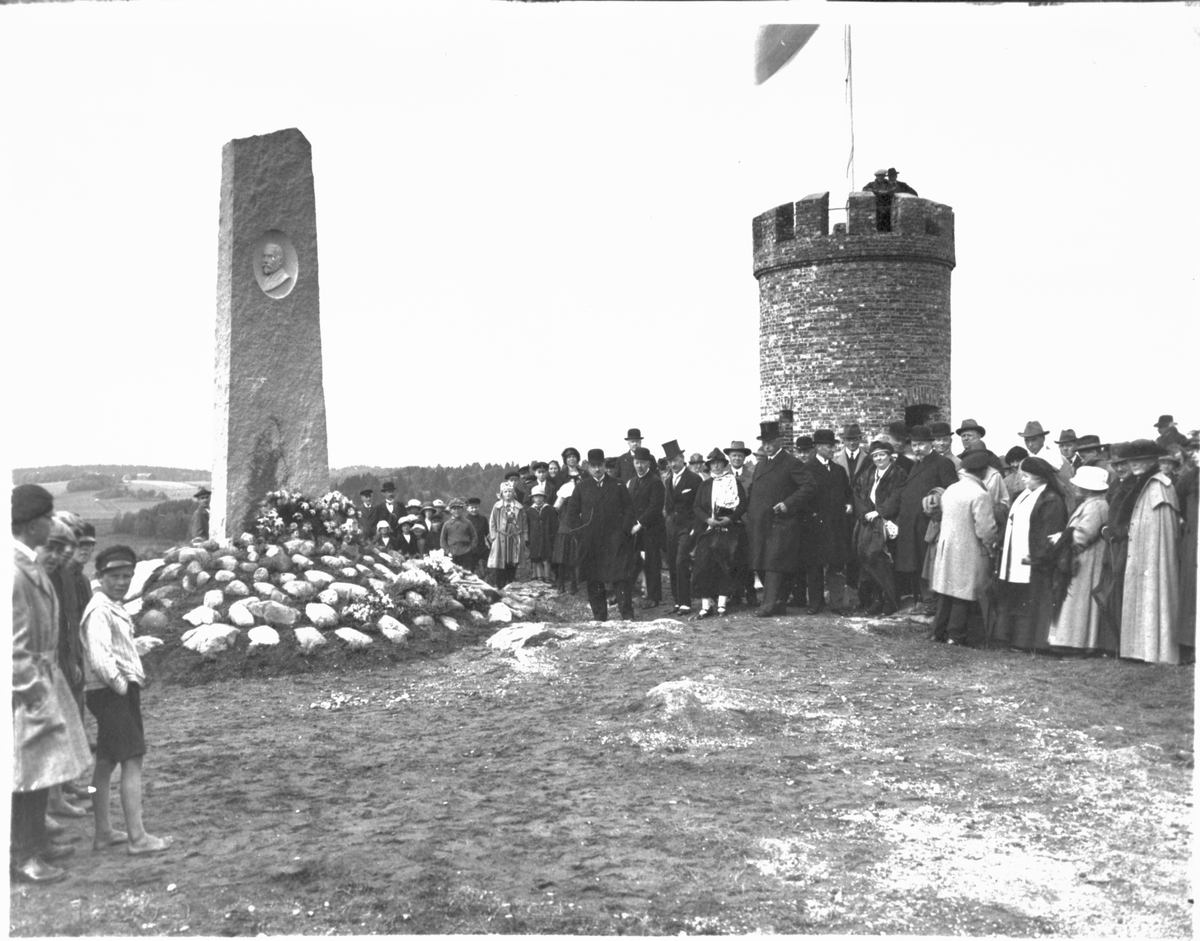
802 775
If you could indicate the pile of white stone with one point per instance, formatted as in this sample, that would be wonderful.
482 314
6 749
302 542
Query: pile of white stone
299 588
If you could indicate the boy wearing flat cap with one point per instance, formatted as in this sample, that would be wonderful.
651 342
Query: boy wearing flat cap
198 529
114 679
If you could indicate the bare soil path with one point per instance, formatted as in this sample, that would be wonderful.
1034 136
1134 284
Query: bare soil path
801 775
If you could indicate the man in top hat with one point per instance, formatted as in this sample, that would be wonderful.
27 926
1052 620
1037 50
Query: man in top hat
850 456
1168 433
198 528
647 495
600 514
1035 443
825 526
679 499
389 510
905 506
49 744
633 441
943 438
782 491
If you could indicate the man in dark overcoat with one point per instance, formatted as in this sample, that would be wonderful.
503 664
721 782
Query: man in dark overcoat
647 494
744 472
198 528
633 441
931 470
853 457
600 514
389 510
825 526
782 490
679 499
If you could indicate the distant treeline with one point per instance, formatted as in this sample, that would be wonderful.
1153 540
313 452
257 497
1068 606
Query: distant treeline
427 483
169 520
115 472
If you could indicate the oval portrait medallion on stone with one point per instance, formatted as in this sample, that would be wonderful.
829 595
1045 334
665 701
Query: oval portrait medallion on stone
275 265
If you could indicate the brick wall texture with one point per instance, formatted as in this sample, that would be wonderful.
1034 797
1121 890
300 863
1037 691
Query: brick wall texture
854 326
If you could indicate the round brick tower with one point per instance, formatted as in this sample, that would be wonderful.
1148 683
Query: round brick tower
854 326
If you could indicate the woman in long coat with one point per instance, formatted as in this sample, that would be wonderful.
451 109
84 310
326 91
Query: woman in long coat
877 581
1026 604
720 567
507 532
563 554
1077 625
962 567
1150 602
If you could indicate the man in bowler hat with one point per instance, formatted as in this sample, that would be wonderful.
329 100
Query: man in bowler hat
679 500
633 441
783 488
600 514
647 493
826 526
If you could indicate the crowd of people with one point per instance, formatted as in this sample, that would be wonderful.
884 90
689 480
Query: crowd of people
1086 549
73 649
1081 548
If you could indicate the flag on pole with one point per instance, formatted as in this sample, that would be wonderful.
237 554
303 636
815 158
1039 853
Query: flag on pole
776 46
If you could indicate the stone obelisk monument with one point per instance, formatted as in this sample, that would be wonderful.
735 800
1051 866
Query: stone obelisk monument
270 402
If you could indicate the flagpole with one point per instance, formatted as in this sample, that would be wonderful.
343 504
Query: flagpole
849 54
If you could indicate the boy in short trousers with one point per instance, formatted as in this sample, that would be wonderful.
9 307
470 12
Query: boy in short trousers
113 685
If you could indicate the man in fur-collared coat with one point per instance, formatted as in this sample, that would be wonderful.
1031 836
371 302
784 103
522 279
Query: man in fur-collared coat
781 491
904 506
600 514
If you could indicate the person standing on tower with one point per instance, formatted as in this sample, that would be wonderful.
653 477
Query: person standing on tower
896 185
883 200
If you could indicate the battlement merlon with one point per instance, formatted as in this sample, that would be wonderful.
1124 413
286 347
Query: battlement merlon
797 234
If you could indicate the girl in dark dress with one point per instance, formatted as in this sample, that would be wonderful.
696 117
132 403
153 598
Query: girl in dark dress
720 536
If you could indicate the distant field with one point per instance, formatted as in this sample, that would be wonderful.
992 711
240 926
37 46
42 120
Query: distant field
88 507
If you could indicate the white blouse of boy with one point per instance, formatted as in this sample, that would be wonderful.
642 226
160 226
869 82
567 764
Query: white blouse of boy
881 458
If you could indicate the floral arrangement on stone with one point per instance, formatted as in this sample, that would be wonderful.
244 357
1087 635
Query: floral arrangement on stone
285 514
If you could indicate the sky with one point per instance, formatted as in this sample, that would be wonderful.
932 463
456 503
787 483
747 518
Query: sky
534 220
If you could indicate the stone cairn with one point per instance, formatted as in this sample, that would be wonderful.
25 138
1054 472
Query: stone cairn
311 592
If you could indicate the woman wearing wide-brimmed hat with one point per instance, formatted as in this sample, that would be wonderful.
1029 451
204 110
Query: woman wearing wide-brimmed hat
1077 623
1026 605
1149 516
721 552
570 468
872 542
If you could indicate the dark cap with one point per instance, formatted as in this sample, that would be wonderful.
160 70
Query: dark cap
1014 454
824 436
114 557
29 501
1038 466
922 433
512 475
672 449
1067 437
881 445
567 452
541 465
716 454
473 501
595 456
804 443
976 460
850 432
1088 443
972 425
202 492
87 534
389 487
633 433
1164 420
643 454
940 429
366 493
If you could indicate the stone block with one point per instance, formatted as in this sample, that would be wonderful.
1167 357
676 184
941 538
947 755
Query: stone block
211 638
278 615
321 615
319 578
214 599
393 630
201 615
299 589
263 636
355 639
240 614
237 589
309 639
153 620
